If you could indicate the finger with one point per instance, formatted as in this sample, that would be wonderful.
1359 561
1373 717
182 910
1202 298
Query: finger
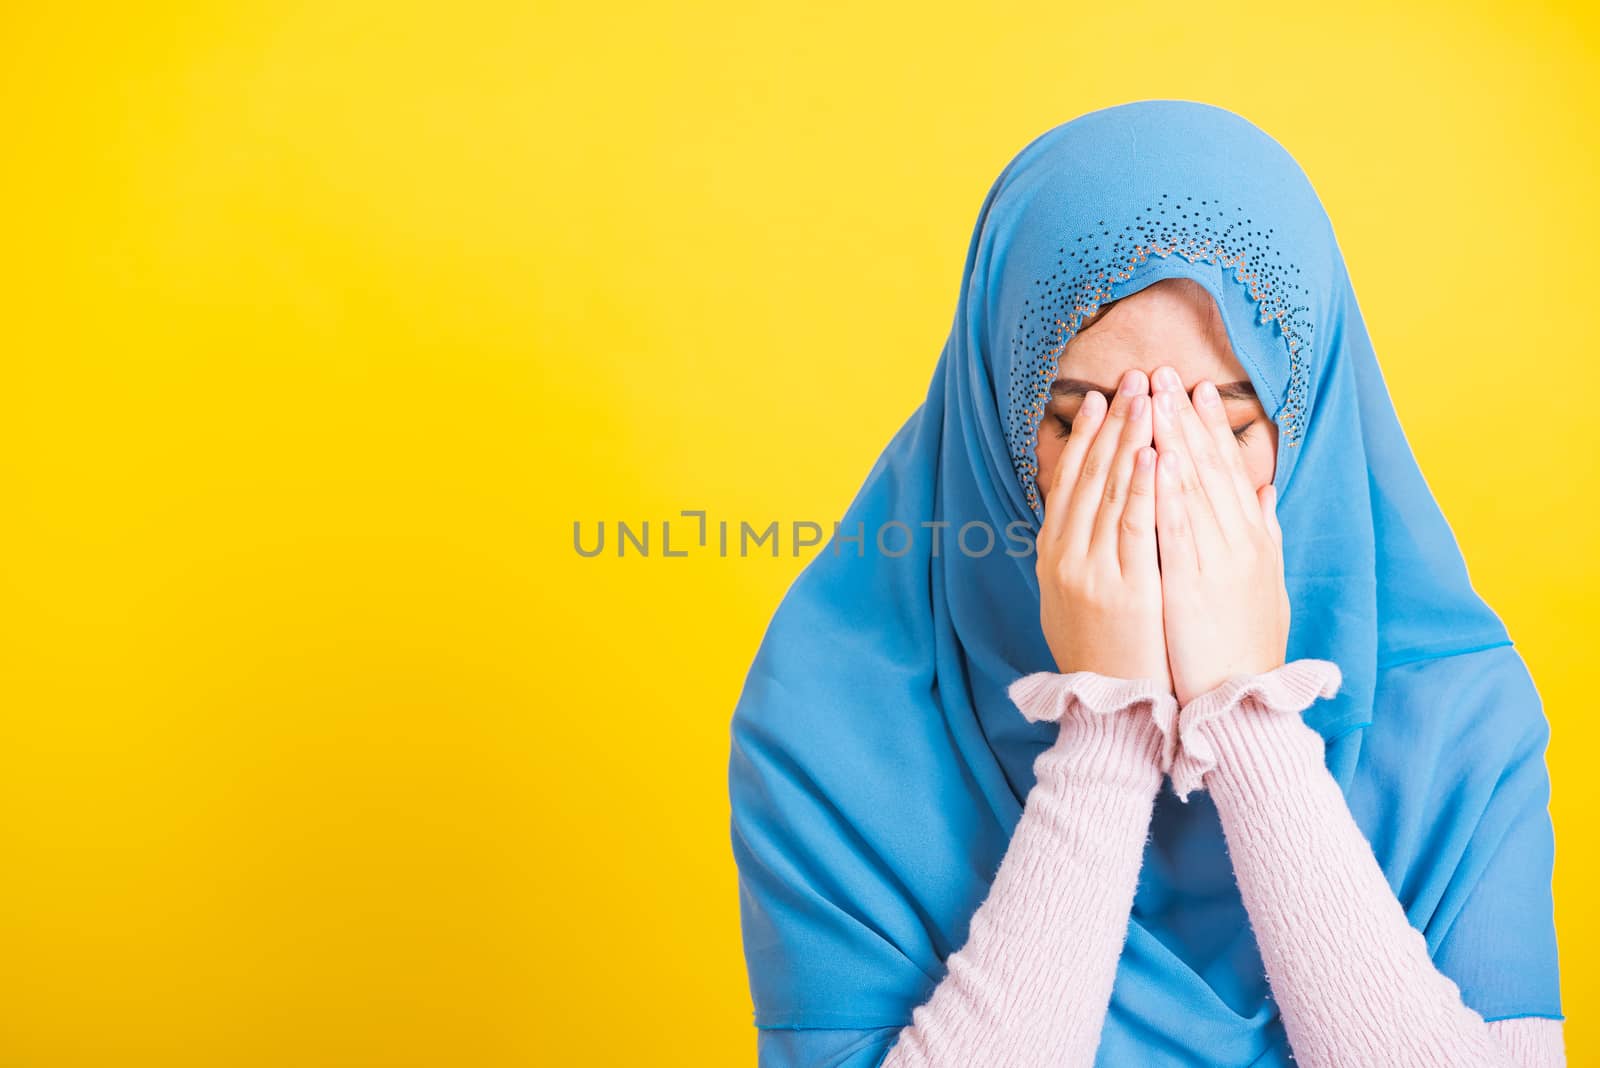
1136 547
1211 466
1204 530
1113 499
1214 420
1068 465
1084 503
1174 534
1268 501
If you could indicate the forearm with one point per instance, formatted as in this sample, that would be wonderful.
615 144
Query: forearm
1033 981
1353 978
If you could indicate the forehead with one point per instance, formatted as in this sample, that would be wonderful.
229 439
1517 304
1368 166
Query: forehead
1173 322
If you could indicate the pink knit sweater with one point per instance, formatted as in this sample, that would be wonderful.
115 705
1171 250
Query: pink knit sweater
1352 977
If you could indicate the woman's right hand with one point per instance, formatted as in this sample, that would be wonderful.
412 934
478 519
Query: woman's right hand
1099 575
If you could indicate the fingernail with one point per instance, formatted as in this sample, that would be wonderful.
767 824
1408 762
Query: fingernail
1164 402
1130 382
1208 394
1167 378
1136 406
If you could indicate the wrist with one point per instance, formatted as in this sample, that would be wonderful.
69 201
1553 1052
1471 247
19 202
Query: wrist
1261 753
1247 731
1197 684
1109 729
1123 747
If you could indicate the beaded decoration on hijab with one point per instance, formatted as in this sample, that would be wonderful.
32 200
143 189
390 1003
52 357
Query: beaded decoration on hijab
1095 262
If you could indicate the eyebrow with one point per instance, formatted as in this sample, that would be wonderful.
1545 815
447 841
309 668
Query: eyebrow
1077 387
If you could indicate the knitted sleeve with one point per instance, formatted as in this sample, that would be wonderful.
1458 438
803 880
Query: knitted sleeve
1353 978
1032 983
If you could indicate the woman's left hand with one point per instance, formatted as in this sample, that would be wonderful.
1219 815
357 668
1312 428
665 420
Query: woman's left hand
1225 607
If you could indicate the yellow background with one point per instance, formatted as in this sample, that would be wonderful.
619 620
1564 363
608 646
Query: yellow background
320 745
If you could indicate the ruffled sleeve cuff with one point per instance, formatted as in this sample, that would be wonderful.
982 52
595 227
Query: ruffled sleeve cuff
1111 728
1209 726
1047 695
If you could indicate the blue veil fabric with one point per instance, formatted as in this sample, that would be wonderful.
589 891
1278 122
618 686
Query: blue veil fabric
878 768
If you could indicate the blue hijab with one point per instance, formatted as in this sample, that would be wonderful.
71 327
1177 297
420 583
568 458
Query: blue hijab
878 768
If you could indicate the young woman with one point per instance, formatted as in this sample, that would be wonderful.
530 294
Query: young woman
1156 520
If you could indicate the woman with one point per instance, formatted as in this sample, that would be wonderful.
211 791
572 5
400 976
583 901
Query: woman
946 763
